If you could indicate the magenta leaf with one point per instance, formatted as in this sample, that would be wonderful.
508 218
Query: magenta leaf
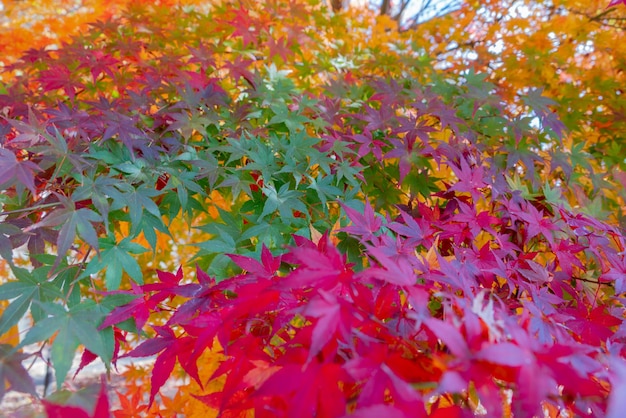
23 171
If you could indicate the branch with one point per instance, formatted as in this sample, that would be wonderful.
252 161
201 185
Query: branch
403 6
30 208
417 18
384 7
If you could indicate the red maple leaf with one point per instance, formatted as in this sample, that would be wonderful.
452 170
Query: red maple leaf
566 256
244 26
279 47
59 77
99 62
332 316
139 309
313 390
239 69
170 348
266 269
368 144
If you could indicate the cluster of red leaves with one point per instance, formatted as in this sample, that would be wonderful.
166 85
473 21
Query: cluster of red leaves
433 323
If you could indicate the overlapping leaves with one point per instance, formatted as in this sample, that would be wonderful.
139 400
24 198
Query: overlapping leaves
463 273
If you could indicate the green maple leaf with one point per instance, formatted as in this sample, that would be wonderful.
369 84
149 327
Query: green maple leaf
325 188
138 199
515 183
553 196
74 326
117 258
292 120
580 157
285 200
97 189
28 288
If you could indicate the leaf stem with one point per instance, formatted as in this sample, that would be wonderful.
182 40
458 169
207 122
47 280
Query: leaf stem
30 209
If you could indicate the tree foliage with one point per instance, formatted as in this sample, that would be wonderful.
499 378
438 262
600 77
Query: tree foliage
370 220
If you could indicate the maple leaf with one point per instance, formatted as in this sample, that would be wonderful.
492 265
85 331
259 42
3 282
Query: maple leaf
100 409
322 269
285 200
266 269
117 258
368 144
365 225
403 149
13 376
477 221
59 77
73 326
450 336
278 47
592 327
565 254
446 115
381 383
169 286
312 390
377 119
73 220
99 62
614 3
397 271
244 26
539 104
617 400
88 357
415 127
12 169
616 272
470 179
125 128
332 317
130 406
170 348
410 229
239 69
140 309
537 273
538 223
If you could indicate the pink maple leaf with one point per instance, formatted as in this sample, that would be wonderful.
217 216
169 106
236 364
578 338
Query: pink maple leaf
614 3
331 318
365 224
471 179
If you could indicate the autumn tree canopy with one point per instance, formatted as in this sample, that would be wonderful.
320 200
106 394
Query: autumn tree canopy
299 211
